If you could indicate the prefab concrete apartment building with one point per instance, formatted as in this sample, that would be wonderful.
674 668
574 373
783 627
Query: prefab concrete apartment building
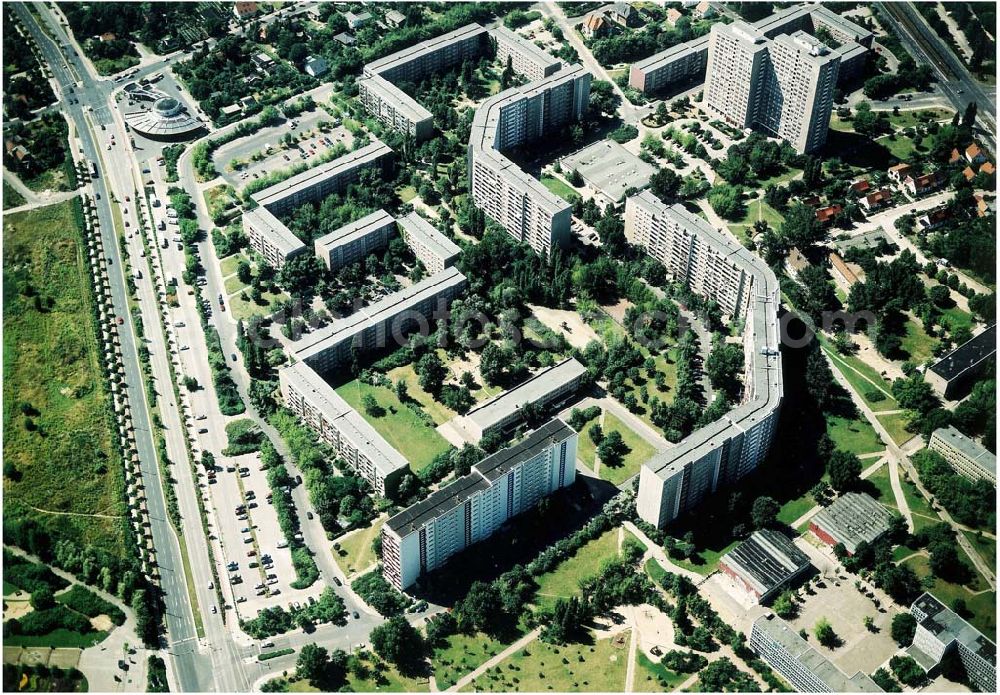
968 457
471 509
713 265
952 375
355 241
382 324
941 630
310 397
269 236
431 247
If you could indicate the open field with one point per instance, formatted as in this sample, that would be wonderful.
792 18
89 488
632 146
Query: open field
639 450
439 412
11 198
654 677
916 343
462 655
403 427
597 667
979 601
564 580
56 409
855 436
561 189
356 553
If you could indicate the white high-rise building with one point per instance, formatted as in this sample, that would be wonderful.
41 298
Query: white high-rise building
424 536
783 86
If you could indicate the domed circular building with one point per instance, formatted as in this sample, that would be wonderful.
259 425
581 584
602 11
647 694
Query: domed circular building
165 118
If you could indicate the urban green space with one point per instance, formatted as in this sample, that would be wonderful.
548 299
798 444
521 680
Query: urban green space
356 554
638 450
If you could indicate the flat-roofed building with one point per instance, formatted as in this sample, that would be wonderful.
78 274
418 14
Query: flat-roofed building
712 264
383 324
852 519
952 375
609 170
423 537
547 387
525 57
355 241
939 631
671 69
765 564
431 247
319 406
268 236
515 200
394 108
333 177
968 457
800 664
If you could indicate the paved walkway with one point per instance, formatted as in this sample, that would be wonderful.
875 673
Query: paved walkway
661 556
493 661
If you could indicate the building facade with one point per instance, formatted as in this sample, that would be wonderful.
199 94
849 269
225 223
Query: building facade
968 457
431 247
423 537
355 241
268 236
764 564
953 375
524 57
941 630
713 265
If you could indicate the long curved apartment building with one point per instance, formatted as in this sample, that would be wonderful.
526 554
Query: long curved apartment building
712 264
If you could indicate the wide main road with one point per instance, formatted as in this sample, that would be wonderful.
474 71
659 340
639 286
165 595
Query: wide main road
957 83
68 73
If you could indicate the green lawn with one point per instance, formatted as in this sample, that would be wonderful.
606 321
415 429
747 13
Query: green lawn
756 210
900 146
11 198
56 425
385 678
655 571
880 479
406 430
654 677
917 343
230 262
406 194
437 410
639 452
895 425
986 547
564 580
234 285
356 553
778 179
57 638
708 559
243 309
982 605
599 667
560 188
863 378
794 509
910 118
462 655
855 436
955 318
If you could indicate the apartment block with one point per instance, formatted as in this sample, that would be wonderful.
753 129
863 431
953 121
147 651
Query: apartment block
525 57
423 537
268 236
783 85
503 412
672 68
515 200
355 241
333 177
379 89
382 325
954 374
308 395
431 247
939 631
800 664
712 264
968 457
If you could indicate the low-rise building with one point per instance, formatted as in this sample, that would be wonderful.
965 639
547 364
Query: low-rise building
974 154
925 183
423 537
968 457
595 26
245 10
316 66
842 273
899 172
932 219
765 564
357 20
800 664
796 263
503 412
852 519
939 631
826 214
673 14
876 201
395 18
953 374
355 241
431 247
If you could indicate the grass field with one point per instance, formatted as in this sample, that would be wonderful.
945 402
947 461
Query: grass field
794 509
56 424
708 559
243 309
895 425
982 604
880 479
564 580
654 677
597 667
414 437
986 547
561 189
463 654
863 378
230 263
855 436
917 343
900 146
955 318
356 552
639 449
438 411
11 198
56 639
757 210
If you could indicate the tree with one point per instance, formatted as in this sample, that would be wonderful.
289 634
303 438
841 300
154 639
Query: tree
42 598
311 663
371 405
612 449
493 364
844 469
243 272
764 513
784 606
431 373
398 642
819 379
825 634
969 117
907 670
800 228
904 626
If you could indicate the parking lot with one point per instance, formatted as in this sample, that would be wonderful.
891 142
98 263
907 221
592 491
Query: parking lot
264 153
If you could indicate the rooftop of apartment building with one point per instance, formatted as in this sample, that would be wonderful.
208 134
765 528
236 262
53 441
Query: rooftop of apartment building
966 355
424 233
416 51
948 626
970 448
358 228
277 233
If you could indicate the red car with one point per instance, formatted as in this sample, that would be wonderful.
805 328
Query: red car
120 320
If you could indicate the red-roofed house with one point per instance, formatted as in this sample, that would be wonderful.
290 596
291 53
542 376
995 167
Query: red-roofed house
595 25
968 173
243 10
974 155
860 187
812 201
922 184
955 156
899 172
824 215
876 200
840 270
934 218
703 9
673 14
988 168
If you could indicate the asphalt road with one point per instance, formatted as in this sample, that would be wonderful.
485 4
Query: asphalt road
182 637
955 80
